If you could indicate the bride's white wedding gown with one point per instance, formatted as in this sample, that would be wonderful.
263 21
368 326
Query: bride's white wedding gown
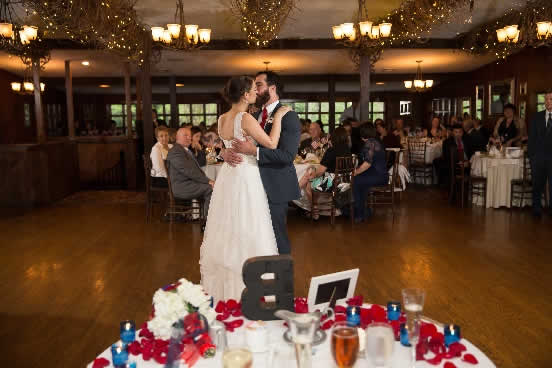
238 227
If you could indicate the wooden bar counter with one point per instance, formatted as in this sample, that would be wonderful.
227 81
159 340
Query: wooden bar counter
37 174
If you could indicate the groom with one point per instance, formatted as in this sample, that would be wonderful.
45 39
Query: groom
275 165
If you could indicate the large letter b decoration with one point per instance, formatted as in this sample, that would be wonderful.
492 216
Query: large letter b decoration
281 286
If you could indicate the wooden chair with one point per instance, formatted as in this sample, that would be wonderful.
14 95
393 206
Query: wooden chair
459 180
344 173
478 188
177 206
153 193
385 194
417 165
520 188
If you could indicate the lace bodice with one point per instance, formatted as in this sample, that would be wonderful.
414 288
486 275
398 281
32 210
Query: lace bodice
239 134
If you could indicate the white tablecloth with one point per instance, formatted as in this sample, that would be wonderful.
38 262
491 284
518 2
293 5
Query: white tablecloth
499 173
433 151
321 358
212 170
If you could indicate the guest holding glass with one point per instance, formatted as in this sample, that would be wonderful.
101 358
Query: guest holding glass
371 172
316 141
197 147
509 128
320 178
158 156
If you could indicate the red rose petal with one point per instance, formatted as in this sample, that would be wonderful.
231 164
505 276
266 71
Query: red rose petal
356 300
427 330
223 317
365 316
134 348
221 307
160 357
237 313
340 309
328 324
468 358
340 317
100 363
231 304
237 323
449 365
435 360
396 329
378 313
147 354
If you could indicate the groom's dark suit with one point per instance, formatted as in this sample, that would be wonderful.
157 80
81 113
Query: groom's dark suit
279 176
540 153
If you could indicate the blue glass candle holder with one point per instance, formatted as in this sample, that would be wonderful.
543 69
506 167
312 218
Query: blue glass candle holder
393 311
452 334
119 353
353 315
128 331
404 335
127 365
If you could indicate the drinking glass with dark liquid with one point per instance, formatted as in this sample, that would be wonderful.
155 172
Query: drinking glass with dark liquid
345 344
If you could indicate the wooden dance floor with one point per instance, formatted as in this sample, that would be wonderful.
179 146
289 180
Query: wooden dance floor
71 272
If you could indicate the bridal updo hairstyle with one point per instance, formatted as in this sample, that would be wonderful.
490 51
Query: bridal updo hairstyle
236 87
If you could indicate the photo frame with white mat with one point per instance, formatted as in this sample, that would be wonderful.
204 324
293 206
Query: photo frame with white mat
343 284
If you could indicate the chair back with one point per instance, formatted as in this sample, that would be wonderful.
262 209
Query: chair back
455 169
527 172
395 177
168 169
344 169
147 171
417 151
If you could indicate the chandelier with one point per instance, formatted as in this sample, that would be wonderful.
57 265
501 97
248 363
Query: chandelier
508 34
26 87
261 20
544 30
12 34
193 38
418 84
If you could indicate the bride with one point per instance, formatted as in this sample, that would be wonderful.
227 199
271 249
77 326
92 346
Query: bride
238 225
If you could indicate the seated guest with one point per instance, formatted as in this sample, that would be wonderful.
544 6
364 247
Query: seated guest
399 131
455 144
322 176
509 129
371 172
304 130
172 135
348 126
197 146
158 156
317 139
476 135
435 128
388 140
188 181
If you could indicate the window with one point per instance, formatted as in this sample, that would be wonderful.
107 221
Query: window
197 113
163 112
441 107
405 107
540 102
466 106
377 111
340 107
313 110
479 92
53 119
27 113
117 113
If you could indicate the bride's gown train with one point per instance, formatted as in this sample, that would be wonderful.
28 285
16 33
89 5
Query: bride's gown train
238 227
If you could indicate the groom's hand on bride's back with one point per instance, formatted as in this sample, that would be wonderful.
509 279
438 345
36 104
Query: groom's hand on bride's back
231 157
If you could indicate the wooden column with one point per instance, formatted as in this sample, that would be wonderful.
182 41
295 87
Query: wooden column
139 95
147 96
331 99
128 99
174 123
365 87
69 99
39 116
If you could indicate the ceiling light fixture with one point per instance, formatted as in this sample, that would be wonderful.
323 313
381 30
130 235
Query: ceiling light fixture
104 86
180 84
85 63
418 84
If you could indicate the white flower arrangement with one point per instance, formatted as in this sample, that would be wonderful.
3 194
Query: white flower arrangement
174 304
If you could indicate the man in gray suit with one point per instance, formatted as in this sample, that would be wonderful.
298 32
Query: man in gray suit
188 180
275 165
540 153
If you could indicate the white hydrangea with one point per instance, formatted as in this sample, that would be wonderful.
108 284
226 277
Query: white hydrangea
170 306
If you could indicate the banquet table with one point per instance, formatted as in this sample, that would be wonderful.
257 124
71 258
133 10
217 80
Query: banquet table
433 151
284 353
499 171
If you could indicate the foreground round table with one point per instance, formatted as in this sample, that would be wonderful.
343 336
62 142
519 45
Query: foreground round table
285 355
499 171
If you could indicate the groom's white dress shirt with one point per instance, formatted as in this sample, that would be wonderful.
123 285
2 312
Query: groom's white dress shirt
269 109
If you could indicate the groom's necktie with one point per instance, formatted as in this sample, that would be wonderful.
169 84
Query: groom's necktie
265 117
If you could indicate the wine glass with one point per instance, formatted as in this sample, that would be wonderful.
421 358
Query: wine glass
345 344
380 340
237 358
413 301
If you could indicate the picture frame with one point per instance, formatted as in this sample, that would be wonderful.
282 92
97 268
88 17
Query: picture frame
321 288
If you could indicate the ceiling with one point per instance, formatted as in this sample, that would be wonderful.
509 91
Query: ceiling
312 19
